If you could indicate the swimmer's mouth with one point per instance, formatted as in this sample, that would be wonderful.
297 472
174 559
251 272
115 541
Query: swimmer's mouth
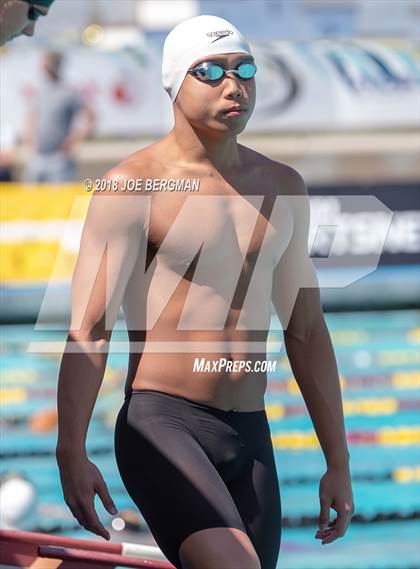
234 111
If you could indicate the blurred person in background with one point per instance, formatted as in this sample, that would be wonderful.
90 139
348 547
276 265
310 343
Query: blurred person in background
8 142
58 120
18 17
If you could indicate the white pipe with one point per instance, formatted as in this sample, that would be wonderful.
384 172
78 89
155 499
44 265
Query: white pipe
144 551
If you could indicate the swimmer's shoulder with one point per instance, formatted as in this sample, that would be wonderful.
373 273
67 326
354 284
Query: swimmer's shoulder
139 165
281 178
117 205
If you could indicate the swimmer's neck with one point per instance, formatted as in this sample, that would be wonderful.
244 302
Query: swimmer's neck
188 146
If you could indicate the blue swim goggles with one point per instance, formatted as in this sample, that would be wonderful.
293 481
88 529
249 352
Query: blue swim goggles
35 8
212 71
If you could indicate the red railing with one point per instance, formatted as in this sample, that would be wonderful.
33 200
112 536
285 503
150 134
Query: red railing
26 549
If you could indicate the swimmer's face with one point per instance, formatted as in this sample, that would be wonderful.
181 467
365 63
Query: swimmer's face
204 103
14 19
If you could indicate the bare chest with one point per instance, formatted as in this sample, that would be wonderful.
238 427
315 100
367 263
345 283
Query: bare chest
221 224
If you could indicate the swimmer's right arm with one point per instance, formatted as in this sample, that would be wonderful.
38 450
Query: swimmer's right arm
108 251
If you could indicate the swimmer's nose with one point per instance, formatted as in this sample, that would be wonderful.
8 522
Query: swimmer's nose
234 86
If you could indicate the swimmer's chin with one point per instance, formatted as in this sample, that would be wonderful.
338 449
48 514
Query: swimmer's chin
233 124
222 124
233 127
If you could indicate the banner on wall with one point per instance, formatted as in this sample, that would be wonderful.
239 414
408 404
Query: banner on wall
322 84
41 228
360 226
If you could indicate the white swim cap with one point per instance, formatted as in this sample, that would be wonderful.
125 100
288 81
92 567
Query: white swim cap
193 39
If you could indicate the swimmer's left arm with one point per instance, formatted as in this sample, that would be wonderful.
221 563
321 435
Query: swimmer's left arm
297 301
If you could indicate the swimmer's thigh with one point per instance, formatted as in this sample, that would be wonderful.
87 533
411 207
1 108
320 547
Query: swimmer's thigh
171 480
256 494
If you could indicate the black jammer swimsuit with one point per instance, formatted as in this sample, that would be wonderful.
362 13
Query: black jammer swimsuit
189 466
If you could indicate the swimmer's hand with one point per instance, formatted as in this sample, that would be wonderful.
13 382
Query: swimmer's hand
80 481
335 492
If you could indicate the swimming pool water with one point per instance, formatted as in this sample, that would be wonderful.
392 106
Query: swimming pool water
378 360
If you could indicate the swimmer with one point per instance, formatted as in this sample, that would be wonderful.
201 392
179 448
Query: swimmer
195 275
18 17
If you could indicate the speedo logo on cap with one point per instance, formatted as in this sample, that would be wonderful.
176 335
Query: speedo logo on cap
219 34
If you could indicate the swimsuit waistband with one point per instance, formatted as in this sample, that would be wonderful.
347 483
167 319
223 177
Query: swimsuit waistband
192 402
